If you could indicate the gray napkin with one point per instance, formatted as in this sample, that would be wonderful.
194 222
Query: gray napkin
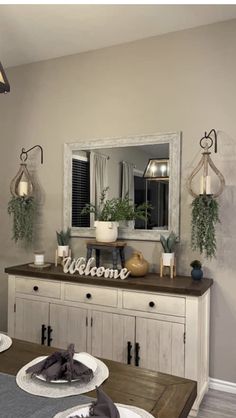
60 365
103 407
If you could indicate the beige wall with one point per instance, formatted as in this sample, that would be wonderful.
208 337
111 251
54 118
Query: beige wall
182 81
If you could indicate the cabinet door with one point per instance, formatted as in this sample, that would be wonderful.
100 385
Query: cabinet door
110 334
68 325
29 317
161 345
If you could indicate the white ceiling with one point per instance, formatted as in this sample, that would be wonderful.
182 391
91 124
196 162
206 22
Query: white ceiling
30 33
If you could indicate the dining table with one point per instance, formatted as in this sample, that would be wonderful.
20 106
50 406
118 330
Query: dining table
162 395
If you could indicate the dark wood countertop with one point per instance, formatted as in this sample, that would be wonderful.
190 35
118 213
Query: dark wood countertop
163 395
183 285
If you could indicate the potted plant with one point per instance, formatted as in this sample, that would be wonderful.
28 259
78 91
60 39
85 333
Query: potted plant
196 272
22 208
205 215
168 244
110 212
63 238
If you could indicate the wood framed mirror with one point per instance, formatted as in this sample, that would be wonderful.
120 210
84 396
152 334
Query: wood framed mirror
120 163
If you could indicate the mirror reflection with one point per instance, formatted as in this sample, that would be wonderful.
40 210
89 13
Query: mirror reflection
139 172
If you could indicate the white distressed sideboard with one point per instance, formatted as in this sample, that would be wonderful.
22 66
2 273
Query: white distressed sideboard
157 323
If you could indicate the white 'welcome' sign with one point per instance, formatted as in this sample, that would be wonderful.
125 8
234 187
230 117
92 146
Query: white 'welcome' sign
88 268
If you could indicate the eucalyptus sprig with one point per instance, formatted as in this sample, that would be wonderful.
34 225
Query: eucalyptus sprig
22 209
205 215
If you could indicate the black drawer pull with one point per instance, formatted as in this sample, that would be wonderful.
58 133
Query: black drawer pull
151 304
137 358
88 295
49 335
36 288
129 357
43 336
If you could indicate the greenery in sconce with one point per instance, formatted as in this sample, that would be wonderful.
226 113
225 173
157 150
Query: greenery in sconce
22 209
168 243
63 237
117 209
205 215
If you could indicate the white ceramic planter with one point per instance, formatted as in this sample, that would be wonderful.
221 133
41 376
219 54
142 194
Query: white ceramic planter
168 259
106 231
63 250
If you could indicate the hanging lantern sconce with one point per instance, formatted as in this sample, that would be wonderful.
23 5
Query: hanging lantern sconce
4 83
205 181
22 184
205 208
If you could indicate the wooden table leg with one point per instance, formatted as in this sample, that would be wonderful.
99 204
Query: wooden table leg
97 257
115 258
122 257
89 253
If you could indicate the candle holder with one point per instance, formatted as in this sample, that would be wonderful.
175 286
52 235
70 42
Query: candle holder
22 184
206 142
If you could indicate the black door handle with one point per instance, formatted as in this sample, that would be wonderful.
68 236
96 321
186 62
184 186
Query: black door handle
129 357
43 336
137 358
88 295
36 288
151 304
49 335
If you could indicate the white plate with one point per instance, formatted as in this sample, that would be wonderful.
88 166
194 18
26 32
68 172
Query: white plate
124 412
84 358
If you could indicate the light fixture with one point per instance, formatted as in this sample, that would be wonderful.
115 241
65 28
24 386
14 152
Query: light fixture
22 185
157 169
206 142
4 84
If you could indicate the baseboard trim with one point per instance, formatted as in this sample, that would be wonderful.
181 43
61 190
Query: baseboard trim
222 385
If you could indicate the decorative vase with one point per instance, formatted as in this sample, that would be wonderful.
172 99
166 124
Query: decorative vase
168 259
197 273
137 265
63 250
106 231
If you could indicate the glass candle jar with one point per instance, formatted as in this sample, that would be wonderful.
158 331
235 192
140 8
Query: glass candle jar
39 258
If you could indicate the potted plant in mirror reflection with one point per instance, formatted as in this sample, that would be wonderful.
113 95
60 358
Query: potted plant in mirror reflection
205 215
63 239
196 271
22 208
168 244
110 212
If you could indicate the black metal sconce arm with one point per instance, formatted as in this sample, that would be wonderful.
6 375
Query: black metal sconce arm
24 153
207 136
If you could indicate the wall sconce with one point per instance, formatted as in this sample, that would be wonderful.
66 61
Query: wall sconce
157 169
4 84
205 183
22 185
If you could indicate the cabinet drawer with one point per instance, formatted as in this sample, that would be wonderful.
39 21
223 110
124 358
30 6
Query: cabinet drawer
93 295
153 303
38 287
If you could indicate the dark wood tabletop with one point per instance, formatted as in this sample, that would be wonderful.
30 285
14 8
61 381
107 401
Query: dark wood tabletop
152 282
164 396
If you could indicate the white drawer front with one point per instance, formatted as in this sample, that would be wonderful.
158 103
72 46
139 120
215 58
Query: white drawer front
92 295
38 287
154 303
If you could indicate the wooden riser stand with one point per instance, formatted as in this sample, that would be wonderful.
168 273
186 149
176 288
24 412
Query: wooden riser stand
59 259
172 268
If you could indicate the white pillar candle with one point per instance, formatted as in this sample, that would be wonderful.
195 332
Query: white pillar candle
39 258
208 184
23 188
202 185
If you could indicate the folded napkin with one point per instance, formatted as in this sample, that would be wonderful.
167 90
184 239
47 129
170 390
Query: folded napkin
61 365
103 407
